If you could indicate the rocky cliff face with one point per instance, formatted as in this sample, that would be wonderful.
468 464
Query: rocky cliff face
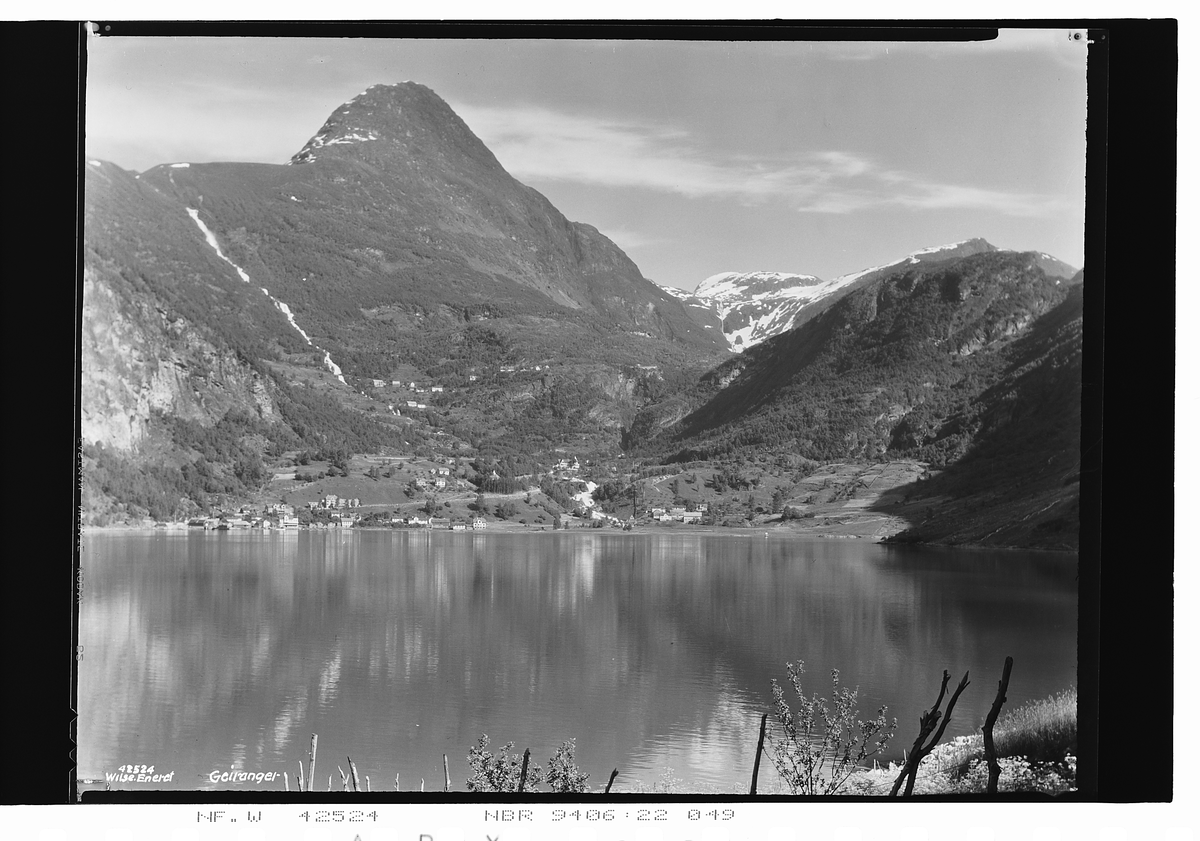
167 327
138 360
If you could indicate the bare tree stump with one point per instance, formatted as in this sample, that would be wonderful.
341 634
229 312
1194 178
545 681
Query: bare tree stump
524 769
446 770
353 774
989 744
762 735
611 777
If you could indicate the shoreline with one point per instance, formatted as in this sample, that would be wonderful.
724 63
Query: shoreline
691 531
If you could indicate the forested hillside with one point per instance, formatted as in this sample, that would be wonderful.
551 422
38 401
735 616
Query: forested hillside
1018 481
884 371
972 368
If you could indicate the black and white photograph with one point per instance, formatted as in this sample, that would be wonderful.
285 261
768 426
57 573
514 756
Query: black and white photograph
595 420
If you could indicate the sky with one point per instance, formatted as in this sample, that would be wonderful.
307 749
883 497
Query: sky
695 157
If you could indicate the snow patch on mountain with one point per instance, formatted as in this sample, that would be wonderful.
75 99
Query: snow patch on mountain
919 256
675 291
754 306
352 137
211 239
934 249
736 285
343 136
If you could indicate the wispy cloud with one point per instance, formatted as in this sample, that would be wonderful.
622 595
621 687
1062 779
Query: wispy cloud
536 143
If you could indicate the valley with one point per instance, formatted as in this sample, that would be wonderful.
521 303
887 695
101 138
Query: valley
392 302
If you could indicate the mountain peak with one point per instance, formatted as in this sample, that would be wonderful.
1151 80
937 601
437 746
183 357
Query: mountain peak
963 248
406 118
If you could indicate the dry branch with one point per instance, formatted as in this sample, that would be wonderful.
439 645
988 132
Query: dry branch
929 720
989 744
312 762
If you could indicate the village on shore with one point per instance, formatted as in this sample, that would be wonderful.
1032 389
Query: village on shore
445 490
441 492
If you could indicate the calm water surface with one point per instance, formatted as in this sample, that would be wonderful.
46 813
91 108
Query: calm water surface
204 652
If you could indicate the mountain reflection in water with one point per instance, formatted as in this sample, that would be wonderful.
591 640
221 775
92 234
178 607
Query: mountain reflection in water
219 650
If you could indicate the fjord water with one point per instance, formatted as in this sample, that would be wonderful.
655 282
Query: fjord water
210 651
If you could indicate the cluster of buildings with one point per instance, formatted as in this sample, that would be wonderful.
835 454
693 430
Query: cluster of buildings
523 369
679 513
419 388
439 479
332 501
417 521
276 516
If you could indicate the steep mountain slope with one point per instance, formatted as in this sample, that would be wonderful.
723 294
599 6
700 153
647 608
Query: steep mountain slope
881 371
751 307
1018 482
180 404
971 366
168 326
394 210
236 311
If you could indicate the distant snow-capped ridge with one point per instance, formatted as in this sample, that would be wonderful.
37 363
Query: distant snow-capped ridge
739 285
754 306
751 307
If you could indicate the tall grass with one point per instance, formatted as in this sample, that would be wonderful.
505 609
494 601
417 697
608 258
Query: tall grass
1041 731
1045 730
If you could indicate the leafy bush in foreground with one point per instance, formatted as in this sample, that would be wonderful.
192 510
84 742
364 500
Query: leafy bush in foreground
820 748
501 772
